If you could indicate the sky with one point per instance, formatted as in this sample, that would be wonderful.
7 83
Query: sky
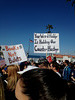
20 19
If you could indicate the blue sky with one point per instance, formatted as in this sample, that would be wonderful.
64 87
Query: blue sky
19 19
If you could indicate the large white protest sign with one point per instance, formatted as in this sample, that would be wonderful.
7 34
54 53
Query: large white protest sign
46 42
14 54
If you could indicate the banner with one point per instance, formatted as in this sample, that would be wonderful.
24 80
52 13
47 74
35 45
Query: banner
14 54
46 42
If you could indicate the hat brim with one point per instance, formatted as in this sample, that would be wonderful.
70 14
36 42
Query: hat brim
27 69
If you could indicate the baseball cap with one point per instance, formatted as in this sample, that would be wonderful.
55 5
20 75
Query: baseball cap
27 69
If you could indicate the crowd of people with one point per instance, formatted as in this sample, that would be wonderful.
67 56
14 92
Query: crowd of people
38 81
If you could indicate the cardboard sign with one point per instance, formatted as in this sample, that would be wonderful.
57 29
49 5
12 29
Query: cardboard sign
46 42
14 54
49 59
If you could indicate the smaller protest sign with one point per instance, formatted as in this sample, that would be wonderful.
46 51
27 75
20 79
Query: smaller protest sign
49 59
14 54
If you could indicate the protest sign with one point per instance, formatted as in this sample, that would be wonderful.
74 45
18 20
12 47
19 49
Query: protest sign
49 59
14 54
46 42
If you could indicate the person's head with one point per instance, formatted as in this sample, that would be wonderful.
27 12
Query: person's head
66 63
23 65
32 63
54 66
12 70
44 64
54 59
12 76
40 84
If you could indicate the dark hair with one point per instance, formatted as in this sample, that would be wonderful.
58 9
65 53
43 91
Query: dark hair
54 59
55 64
22 64
67 62
44 63
43 84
